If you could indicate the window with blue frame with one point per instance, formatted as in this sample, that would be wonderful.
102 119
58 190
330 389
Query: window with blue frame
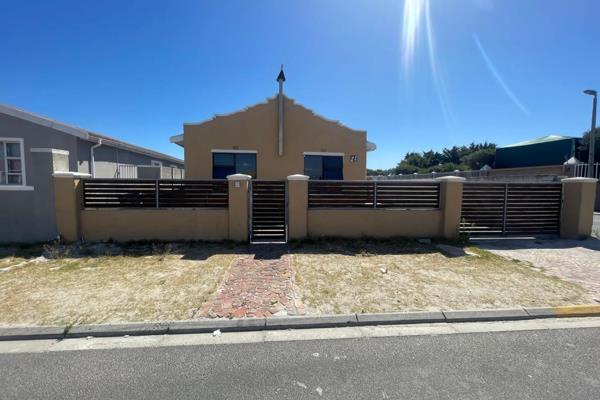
233 163
324 167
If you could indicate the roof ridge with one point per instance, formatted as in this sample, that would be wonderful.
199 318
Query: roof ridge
77 131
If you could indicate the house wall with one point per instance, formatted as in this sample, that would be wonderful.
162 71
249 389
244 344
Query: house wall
256 129
107 158
29 215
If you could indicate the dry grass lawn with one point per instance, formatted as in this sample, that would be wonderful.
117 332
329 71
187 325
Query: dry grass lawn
335 278
108 283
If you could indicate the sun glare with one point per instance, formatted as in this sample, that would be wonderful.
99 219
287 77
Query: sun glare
410 29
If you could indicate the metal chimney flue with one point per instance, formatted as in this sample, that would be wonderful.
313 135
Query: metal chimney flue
280 79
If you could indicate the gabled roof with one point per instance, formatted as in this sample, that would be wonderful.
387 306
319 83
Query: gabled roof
543 139
82 133
178 139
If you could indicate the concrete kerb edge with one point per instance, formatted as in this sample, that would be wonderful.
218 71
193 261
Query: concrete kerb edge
296 322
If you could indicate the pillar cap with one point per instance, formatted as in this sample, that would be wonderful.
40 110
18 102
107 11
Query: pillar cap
70 174
238 177
297 177
451 178
579 179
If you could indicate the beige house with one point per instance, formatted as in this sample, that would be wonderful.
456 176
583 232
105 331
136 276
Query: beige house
272 140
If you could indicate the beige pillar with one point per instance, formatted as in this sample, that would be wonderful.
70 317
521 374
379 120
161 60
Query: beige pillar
297 206
577 212
451 189
238 207
67 204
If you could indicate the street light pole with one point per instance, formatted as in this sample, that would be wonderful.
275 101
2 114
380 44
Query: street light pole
592 141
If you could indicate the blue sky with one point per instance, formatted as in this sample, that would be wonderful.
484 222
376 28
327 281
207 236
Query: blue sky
497 70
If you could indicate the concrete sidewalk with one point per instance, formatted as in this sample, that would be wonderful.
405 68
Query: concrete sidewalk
298 322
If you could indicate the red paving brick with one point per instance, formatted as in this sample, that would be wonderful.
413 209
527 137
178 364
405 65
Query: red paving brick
255 288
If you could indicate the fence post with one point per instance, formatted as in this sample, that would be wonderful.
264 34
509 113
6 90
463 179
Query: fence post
504 212
156 189
297 206
577 211
238 207
451 190
374 194
67 205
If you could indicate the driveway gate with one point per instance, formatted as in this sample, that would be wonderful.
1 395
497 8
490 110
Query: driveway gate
268 217
511 208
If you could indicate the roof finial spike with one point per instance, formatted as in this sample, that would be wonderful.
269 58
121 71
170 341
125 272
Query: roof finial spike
281 76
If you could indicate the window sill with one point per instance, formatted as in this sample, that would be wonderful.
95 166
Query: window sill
16 187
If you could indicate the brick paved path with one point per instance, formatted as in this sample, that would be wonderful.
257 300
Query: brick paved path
573 260
255 288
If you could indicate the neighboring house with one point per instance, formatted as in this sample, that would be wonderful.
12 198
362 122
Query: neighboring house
272 140
546 150
32 148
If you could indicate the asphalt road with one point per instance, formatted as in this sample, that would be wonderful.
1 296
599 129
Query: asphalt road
542 364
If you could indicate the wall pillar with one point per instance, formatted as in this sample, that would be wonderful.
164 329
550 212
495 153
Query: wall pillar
239 207
67 203
297 186
577 212
451 190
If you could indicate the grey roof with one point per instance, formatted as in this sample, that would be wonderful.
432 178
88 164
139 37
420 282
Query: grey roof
82 133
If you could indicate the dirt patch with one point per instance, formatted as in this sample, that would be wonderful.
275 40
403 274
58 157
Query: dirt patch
108 283
371 276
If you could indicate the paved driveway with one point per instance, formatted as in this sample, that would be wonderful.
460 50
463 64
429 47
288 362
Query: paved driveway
574 260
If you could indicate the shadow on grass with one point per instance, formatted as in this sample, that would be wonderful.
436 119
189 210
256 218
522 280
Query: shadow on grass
191 250
195 250
544 242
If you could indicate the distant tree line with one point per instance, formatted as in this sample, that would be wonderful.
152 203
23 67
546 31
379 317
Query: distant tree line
471 157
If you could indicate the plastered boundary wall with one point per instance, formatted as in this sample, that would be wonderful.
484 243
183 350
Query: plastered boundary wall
131 224
232 223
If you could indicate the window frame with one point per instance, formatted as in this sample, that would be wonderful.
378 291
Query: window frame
234 153
21 158
322 155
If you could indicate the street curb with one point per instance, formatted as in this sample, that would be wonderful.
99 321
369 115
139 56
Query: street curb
295 322
504 314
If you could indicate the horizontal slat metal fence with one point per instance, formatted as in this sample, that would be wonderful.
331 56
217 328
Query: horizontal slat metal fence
140 193
184 193
511 208
533 209
373 194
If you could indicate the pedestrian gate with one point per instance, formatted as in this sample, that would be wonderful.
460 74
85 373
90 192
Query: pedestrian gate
511 208
268 217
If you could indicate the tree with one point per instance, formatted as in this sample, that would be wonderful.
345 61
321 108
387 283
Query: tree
479 158
473 156
585 145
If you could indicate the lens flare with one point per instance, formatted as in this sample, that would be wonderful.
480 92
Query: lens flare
438 79
498 77
410 29
415 12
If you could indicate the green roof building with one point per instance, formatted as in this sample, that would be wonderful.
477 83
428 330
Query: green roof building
546 150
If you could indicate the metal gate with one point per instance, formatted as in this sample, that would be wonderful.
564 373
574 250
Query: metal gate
511 208
268 217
